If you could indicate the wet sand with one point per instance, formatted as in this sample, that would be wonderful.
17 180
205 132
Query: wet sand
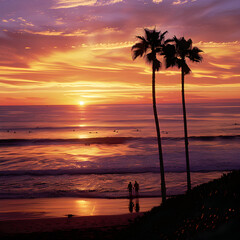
54 215
19 209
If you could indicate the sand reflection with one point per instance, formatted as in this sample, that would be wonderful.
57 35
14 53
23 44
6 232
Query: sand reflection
85 207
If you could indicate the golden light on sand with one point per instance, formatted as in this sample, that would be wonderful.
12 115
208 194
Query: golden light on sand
81 103
85 207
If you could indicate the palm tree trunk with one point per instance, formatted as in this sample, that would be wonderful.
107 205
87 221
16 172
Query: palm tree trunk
186 135
163 185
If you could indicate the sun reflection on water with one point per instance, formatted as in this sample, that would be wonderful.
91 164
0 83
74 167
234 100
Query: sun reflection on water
85 208
83 136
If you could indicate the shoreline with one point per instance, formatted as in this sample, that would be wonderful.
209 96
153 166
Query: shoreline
209 211
44 208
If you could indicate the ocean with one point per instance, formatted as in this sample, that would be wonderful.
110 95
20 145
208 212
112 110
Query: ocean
94 151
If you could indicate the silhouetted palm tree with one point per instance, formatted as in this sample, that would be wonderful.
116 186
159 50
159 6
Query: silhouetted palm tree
175 55
149 46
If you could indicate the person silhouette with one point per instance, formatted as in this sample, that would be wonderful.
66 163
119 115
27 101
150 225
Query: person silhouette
136 187
130 187
131 205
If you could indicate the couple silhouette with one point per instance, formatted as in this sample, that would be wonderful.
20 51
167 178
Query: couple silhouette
131 187
132 206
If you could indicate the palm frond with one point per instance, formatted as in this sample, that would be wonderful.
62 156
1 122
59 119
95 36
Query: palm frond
137 53
189 43
194 55
171 62
155 35
143 41
170 40
141 38
148 34
162 36
140 45
139 49
176 40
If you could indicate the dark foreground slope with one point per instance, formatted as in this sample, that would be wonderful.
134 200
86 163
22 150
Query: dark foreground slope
210 211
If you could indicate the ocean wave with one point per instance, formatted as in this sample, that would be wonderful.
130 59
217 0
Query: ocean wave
72 128
49 141
211 138
106 140
79 171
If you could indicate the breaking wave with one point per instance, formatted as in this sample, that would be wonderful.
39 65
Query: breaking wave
106 140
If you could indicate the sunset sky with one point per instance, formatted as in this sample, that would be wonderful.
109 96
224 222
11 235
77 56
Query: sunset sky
71 51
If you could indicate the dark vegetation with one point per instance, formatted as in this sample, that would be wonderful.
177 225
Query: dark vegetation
209 211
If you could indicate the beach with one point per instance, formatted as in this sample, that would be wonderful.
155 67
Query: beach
210 211
19 209
10 227
19 217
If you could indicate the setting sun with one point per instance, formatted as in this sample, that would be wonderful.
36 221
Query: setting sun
81 103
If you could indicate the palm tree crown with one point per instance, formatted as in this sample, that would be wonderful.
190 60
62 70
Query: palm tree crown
149 46
175 55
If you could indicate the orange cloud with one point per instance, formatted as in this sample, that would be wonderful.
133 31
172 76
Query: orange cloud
105 72
62 51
